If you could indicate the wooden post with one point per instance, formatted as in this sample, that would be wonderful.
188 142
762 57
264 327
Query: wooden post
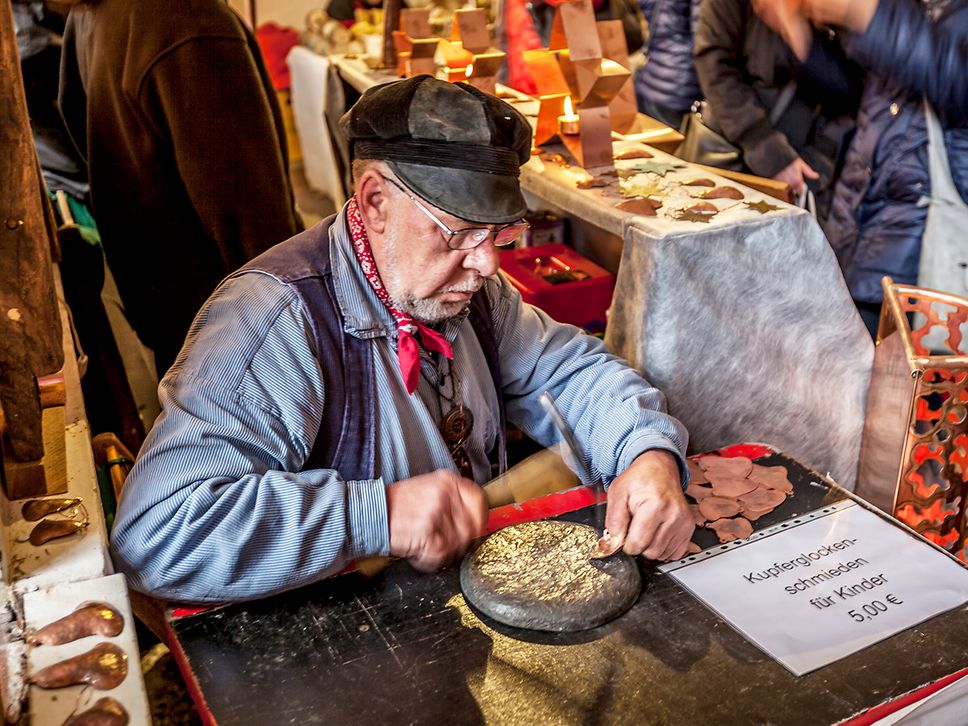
29 320
391 22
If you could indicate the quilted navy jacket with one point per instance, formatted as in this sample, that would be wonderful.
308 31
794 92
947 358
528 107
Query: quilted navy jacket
878 213
668 79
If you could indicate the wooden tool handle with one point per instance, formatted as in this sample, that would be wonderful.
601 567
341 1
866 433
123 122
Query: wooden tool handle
539 474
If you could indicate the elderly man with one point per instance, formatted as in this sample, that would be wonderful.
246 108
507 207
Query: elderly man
339 396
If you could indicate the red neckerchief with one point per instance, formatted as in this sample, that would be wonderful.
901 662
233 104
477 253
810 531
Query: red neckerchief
407 351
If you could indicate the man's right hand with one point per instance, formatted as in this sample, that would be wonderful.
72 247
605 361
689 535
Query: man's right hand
795 174
434 518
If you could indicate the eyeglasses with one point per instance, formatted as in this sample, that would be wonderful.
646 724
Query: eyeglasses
469 237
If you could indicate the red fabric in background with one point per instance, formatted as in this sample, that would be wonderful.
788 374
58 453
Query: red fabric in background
521 36
275 42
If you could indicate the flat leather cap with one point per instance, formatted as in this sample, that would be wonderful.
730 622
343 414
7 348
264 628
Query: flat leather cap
455 146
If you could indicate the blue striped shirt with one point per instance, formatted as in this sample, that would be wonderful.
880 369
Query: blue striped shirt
217 506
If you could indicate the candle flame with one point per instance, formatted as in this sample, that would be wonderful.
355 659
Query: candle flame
470 69
569 111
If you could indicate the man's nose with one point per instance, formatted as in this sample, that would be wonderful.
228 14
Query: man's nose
483 258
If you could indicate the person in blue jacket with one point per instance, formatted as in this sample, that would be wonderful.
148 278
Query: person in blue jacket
911 51
667 86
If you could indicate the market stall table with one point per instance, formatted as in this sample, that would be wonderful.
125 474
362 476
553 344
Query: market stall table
739 314
404 647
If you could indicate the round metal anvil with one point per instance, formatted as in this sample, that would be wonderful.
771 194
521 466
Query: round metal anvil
539 576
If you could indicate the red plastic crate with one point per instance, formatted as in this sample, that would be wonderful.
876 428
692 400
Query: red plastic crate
569 287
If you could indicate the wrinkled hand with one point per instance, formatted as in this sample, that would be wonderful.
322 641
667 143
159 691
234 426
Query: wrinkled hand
434 518
794 173
647 510
854 15
785 18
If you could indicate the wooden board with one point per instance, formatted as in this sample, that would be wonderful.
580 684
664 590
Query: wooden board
53 706
776 189
29 320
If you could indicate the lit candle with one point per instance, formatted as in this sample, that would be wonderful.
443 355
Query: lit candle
469 71
455 74
568 121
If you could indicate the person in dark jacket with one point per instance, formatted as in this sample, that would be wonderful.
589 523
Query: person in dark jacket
911 51
171 105
743 67
667 86
39 31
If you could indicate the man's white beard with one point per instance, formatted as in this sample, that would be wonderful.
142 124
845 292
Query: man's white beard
426 310
430 312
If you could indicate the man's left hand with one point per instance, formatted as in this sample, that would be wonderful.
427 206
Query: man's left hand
646 508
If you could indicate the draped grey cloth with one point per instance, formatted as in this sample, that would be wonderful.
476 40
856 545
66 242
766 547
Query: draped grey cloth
751 333
744 321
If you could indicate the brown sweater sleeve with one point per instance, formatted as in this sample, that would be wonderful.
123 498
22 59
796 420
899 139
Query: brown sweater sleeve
208 97
720 65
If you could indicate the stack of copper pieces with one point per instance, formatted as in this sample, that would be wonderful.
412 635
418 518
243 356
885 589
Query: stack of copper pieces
730 492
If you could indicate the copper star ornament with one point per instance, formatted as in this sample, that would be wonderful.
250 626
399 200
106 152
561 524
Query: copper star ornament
761 206
694 215
656 167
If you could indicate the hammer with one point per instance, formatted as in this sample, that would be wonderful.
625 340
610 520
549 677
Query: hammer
539 474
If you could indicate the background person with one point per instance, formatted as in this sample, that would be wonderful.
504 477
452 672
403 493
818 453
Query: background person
667 85
911 52
171 106
744 67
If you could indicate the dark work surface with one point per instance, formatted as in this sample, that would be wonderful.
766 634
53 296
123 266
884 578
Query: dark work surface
168 699
404 648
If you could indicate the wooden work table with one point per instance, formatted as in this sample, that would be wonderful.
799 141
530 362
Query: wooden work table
405 648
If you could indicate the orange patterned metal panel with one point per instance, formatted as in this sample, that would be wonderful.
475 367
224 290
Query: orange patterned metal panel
932 488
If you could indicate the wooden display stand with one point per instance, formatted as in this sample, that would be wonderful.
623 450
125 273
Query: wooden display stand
583 73
46 448
415 48
470 27
29 319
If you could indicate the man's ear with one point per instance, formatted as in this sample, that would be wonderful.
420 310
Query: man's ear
373 201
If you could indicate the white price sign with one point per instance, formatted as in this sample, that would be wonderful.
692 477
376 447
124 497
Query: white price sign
812 592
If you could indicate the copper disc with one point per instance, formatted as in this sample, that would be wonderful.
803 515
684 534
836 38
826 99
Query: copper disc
457 424
538 575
